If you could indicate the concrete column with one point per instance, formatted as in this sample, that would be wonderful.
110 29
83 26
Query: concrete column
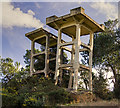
58 56
47 56
61 70
31 58
72 60
76 59
90 61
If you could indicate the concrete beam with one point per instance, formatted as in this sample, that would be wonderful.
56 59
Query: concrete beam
68 25
84 49
66 43
39 37
39 71
65 65
85 45
52 59
37 54
67 49
84 67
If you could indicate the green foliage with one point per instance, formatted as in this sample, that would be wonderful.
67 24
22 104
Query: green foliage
9 69
106 51
65 80
39 63
84 75
36 91
117 88
100 87
60 96
33 92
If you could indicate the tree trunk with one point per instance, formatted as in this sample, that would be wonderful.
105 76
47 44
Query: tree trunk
115 75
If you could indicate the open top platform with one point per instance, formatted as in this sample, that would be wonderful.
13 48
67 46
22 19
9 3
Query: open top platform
69 19
39 36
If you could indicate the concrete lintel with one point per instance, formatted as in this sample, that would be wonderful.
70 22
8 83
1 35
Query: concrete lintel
57 25
77 20
84 67
84 49
52 59
84 45
68 25
67 49
66 43
37 38
39 71
37 54
68 68
65 65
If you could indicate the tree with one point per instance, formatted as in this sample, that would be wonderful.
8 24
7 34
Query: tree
21 90
9 69
100 85
107 49
84 75
40 60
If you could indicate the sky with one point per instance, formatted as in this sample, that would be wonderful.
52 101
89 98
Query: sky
18 18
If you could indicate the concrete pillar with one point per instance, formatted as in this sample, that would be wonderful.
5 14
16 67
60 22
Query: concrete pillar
90 61
31 58
76 59
58 56
61 70
72 60
47 56
70 80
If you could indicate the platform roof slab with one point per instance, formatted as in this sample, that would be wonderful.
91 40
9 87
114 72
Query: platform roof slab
67 23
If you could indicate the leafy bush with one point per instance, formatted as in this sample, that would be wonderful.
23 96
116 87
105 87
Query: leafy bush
100 87
117 88
33 92
60 96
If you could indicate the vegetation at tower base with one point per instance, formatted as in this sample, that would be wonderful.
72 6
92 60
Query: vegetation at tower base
37 91
32 91
100 87
20 90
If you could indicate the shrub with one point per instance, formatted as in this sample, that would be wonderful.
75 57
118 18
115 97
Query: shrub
117 87
60 96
